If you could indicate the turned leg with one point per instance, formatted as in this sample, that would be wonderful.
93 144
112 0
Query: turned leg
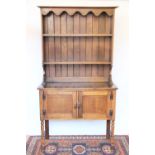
112 132
47 129
42 135
108 130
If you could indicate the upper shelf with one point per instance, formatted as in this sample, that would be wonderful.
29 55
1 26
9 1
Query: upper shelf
77 35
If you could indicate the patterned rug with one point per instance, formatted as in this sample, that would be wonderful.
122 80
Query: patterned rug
78 145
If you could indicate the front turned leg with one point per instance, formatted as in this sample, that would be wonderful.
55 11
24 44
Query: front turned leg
47 129
112 133
42 135
108 130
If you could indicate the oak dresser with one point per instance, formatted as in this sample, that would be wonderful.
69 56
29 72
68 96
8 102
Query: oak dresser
77 58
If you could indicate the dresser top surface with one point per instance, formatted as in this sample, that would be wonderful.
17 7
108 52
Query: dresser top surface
79 85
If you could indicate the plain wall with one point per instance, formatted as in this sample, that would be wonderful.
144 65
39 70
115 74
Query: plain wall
34 73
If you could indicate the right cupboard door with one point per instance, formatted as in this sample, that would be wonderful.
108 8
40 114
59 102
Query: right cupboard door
95 105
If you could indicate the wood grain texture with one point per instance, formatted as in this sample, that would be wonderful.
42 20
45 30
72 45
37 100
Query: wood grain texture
78 62
64 51
94 104
95 46
82 45
79 85
77 79
51 44
57 23
60 104
76 44
89 29
77 35
70 29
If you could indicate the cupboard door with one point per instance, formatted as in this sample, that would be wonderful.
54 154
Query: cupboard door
59 105
95 105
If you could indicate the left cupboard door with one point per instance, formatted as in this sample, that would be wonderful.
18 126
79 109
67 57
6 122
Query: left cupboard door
58 104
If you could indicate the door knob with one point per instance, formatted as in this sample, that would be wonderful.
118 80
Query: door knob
75 106
78 104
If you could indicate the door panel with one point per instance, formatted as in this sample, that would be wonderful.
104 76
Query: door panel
94 104
60 104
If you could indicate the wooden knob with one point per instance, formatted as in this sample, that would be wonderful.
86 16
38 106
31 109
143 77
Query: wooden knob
75 106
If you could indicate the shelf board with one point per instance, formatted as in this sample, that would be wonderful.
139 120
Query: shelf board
77 35
78 63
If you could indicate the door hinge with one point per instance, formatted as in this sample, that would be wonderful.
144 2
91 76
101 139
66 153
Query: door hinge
44 112
111 96
110 113
44 96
